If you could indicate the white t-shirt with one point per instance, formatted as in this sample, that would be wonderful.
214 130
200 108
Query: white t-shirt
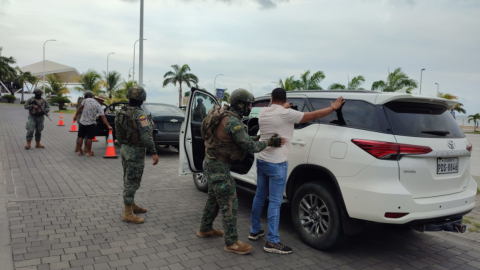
277 120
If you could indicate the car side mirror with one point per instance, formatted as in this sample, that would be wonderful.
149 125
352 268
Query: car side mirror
155 131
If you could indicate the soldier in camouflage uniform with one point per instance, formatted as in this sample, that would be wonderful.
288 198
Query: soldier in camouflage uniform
88 94
134 132
227 141
199 112
35 118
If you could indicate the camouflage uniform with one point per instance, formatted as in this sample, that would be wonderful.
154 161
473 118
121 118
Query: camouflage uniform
221 186
199 112
35 118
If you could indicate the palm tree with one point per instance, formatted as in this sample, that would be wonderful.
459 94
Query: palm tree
111 82
25 77
288 84
90 80
396 80
179 75
6 71
334 86
311 82
121 93
356 82
55 86
458 107
226 96
474 118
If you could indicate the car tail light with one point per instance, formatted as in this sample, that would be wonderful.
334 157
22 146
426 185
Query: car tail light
390 151
469 147
395 215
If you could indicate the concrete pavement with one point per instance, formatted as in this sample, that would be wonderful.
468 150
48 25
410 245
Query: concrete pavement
64 213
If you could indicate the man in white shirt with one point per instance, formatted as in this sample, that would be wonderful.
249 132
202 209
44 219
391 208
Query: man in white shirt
272 164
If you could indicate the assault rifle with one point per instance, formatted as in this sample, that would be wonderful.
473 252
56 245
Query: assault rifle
34 102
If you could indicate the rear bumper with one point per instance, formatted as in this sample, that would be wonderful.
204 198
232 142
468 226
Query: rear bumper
372 203
166 138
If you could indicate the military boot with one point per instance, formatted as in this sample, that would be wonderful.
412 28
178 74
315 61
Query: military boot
29 144
239 247
211 233
38 145
138 209
129 217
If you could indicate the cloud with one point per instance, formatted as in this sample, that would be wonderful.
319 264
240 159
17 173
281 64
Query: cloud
264 4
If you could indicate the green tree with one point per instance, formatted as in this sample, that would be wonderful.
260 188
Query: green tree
111 82
120 94
25 78
55 86
475 118
396 80
288 84
336 86
180 75
458 107
7 72
312 82
356 82
90 80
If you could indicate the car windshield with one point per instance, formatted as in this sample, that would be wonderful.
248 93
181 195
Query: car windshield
164 110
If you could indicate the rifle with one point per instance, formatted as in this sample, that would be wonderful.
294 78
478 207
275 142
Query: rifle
34 102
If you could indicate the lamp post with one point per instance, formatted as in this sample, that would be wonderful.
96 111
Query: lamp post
107 60
421 71
215 84
250 88
140 56
129 72
438 87
134 58
44 63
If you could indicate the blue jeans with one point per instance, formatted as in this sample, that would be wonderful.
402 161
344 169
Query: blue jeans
271 181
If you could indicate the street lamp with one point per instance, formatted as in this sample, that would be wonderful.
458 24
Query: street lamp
134 58
107 60
438 87
250 88
129 72
215 84
421 80
44 63
140 62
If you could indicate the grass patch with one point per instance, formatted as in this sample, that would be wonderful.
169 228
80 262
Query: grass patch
474 230
66 111
478 191
471 132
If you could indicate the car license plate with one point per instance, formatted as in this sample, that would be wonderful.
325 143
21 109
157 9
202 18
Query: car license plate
447 165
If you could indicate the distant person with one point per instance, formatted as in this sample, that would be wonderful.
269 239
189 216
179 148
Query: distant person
272 164
134 132
88 94
90 108
199 112
35 118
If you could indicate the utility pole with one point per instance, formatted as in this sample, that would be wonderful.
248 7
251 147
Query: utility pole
140 61
421 71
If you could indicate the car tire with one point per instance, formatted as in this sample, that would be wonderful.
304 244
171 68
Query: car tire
321 224
200 182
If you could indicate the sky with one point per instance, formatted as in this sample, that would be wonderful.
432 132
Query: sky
254 43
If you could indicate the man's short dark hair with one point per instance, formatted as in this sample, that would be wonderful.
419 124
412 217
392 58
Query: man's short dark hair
279 95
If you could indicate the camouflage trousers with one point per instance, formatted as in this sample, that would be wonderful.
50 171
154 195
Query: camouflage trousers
222 196
133 162
34 124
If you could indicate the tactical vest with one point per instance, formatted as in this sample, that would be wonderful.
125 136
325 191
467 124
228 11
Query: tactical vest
126 127
218 144
37 112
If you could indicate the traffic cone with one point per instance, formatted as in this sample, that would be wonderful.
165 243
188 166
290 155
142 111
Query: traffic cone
110 147
95 139
60 122
74 127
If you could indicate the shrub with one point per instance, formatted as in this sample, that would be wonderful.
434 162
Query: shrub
10 98
61 101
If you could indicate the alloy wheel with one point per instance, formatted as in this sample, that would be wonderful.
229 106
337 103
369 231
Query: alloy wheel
314 215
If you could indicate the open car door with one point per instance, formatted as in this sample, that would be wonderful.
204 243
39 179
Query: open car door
192 147
110 112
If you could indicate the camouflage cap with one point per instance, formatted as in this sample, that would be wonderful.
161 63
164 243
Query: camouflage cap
240 95
137 92
37 90
89 94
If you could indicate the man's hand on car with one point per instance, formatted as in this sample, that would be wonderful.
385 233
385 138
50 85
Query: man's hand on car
276 141
287 105
337 104
155 160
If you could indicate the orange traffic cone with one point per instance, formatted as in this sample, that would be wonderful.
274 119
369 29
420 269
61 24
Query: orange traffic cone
60 122
74 127
110 147
95 139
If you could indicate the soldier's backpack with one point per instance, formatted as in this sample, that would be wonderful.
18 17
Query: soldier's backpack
126 127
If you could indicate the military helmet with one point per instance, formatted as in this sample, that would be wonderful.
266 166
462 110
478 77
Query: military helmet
241 95
37 90
137 92
89 94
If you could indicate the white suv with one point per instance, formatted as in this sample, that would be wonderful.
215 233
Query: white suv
383 157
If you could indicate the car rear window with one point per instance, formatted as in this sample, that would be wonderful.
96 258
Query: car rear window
426 120
354 113
164 110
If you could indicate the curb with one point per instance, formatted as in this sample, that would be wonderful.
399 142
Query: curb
6 257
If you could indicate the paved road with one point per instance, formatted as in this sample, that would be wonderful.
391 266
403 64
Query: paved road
64 213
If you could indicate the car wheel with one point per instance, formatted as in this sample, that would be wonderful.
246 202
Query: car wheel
200 182
317 217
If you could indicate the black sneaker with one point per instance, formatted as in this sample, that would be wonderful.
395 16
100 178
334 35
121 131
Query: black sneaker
256 236
277 248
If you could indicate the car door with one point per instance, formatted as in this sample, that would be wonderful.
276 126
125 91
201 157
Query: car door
110 112
192 147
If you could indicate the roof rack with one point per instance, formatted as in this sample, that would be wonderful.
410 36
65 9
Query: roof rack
335 91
